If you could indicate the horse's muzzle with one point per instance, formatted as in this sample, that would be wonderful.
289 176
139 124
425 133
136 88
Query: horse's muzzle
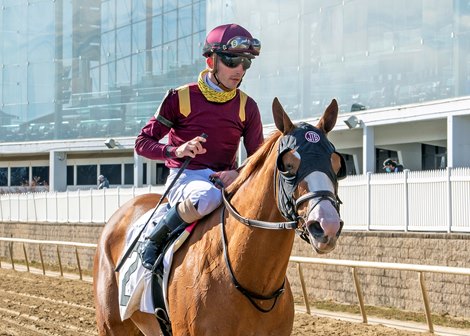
322 243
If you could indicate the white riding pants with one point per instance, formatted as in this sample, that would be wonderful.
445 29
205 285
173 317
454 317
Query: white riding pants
194 185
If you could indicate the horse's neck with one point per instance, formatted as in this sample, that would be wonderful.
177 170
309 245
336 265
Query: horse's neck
263 252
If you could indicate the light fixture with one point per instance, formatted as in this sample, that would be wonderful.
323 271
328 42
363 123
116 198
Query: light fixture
111 143
353 122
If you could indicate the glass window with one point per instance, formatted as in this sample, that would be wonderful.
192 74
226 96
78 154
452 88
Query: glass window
199 17
19 176
138 36
169 5
157 33
86 174
169 26
144 169
185 21
162 173
138 64
112 172
184 51
41 175
70 175
169 58
3 177
123 38
129 173
123 71
138 10
157 7
123 12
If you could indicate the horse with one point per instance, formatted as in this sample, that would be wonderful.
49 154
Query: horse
229 276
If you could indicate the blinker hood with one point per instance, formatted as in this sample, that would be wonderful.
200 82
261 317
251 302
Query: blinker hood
315 151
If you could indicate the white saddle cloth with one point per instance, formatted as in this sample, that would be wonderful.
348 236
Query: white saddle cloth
134 279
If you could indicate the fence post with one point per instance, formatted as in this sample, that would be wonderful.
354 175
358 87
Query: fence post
35 208
68 205
78 263
406 199
427 308
304 288
60 262
11 255
369 200
91 205
449 200
79 205
104 205
47 198
26 257
42 261
359 294
1 208
56 207
9 206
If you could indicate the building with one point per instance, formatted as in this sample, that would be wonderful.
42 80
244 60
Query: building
79 78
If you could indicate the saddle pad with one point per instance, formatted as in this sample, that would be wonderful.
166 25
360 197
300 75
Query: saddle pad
134 279
135 291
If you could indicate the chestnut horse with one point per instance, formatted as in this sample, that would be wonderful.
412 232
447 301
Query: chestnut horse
229 277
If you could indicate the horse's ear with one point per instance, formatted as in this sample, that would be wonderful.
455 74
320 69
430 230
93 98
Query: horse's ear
281 119
328 119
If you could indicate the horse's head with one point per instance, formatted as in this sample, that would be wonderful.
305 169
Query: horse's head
308 169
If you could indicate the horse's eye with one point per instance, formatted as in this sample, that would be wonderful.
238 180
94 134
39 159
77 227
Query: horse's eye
287 170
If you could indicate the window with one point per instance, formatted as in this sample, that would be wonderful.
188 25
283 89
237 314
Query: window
129 173
162 173
86 175
3 177
19 176
70 175
112 172
41 175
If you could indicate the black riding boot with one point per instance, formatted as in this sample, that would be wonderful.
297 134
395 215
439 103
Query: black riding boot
153 244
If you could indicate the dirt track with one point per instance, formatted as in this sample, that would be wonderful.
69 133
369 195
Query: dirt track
40 305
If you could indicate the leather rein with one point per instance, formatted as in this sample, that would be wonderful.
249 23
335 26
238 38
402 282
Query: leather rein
290 225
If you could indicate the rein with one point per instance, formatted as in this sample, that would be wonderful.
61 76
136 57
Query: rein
292 225
251 296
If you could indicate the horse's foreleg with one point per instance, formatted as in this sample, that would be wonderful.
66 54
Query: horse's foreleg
147 323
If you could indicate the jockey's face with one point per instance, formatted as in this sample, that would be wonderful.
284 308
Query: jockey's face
230 77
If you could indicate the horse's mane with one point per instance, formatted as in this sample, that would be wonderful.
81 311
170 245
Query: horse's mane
255 161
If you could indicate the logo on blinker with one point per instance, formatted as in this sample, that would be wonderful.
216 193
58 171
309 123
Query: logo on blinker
311 136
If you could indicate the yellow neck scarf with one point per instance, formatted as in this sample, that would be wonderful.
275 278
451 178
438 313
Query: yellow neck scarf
212 95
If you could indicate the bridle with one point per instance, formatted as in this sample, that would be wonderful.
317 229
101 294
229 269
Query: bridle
294 205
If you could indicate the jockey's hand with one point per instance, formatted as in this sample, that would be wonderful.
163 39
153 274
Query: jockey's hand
191 148
227 176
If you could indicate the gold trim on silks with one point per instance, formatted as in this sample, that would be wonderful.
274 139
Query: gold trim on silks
241 112
212 95
183 97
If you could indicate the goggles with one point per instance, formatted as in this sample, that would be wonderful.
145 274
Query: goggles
242 44
232 61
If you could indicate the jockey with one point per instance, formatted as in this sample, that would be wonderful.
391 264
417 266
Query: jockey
215 106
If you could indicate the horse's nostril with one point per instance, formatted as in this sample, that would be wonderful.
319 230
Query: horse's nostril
315 229
317 232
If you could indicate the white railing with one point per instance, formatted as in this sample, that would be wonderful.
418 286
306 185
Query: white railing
80 206
437 200
353 264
